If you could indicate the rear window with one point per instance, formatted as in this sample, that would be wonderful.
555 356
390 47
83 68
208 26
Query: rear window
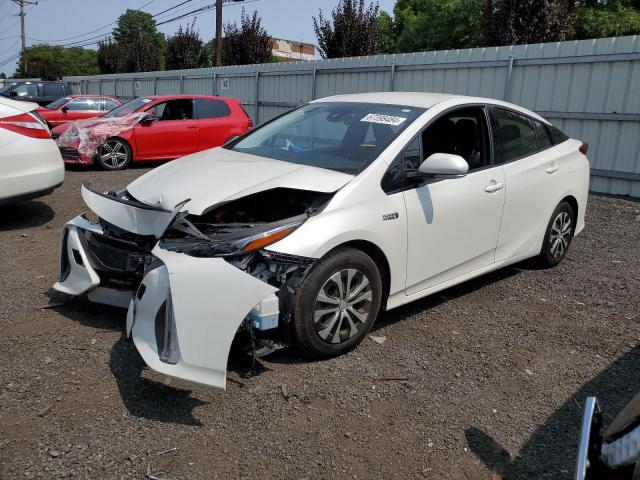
211 109
514 136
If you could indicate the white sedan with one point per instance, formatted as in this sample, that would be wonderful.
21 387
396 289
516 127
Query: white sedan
30 162
305 229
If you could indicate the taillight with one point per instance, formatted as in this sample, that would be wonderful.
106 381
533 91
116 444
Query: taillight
25 124
584 148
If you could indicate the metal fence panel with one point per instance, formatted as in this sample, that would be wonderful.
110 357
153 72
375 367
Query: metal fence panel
589 88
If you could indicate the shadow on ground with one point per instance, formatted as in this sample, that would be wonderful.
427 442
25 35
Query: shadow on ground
28 214
141 396
556 442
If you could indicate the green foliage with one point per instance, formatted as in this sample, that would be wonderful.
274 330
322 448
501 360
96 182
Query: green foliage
353 30
138 46
246 44
387 33
511 22
3 75
185 49
421 25
615 18
51 62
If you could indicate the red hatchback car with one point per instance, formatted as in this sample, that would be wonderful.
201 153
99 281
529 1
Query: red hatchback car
77 107
152 128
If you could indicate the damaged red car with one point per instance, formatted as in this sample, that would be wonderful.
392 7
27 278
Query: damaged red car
77 107
152 128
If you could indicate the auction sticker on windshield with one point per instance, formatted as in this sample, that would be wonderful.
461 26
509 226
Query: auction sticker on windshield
384 119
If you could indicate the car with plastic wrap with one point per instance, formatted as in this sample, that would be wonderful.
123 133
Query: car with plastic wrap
77 107
303 230
152 128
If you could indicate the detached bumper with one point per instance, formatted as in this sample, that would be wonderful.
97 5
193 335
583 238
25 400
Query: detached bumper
186 313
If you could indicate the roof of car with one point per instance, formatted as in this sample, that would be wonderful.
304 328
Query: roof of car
422 100
173 97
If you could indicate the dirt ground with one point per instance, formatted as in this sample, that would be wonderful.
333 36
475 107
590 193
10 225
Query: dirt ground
497 371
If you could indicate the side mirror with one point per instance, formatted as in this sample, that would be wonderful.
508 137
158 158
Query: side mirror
148 119
65 109
13 94
444 164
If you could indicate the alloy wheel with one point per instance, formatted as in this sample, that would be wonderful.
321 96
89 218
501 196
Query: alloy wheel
560 235
342 305
113 153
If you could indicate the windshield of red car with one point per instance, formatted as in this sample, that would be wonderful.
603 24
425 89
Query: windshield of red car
342 136
58 103
128 108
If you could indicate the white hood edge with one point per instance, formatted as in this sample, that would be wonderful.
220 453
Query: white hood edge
216 176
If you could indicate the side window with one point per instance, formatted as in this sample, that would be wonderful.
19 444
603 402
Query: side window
514 136
556 135
84 104
542 134
463 132
212 109
109 104
174 110
53 90
412 155
25 90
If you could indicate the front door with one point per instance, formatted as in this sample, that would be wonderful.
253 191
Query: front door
453 223
173 134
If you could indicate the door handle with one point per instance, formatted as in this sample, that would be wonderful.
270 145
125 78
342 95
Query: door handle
192 127
553 169
494 187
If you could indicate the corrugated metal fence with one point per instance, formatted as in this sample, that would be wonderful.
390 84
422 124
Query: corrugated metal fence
589 88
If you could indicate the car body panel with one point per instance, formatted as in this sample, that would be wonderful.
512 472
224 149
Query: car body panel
224 176
29 167
165 140
199 287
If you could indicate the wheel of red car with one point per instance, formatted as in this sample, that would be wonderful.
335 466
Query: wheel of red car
114 154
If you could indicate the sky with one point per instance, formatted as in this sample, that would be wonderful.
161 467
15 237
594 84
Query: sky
56 21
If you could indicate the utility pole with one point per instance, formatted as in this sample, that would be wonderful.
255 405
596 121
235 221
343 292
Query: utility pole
23 31
218 33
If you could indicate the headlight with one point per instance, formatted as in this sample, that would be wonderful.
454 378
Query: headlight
223 248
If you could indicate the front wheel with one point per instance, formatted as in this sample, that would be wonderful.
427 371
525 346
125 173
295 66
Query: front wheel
336 304
558 235
114 154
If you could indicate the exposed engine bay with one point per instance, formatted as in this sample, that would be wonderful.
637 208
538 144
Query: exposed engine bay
121 262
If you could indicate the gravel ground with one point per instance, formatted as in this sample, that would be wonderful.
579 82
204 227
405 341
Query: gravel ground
497 370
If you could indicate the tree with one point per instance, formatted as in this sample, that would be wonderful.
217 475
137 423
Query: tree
608 19
510 22
353 30
249 43
52 62
185 49
137 45
3 75
421 25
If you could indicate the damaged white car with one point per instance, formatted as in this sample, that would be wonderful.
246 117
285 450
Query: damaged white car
303 230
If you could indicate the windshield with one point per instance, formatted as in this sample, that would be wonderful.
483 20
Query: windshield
342 136
55 105
127 108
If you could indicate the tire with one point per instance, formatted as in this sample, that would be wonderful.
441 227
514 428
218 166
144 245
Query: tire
558 235
114 154
344 319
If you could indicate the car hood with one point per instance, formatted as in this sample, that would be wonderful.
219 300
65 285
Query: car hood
216 176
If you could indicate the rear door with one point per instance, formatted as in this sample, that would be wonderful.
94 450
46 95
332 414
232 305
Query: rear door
216 122
50 92
173 134
533 178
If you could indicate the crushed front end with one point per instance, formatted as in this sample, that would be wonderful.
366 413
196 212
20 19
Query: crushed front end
190 283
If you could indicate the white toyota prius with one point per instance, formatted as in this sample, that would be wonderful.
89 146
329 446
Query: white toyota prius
302 231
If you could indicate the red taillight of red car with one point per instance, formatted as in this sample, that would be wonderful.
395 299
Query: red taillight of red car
584 148
26 125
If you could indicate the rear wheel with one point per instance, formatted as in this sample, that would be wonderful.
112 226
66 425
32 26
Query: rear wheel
114 154
558 235
336 304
